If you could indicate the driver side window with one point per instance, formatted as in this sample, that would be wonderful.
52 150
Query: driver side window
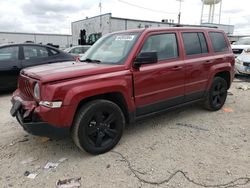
164 44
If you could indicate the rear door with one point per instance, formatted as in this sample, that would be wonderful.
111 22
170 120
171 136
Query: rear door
160 85
9 66
33 55
197 64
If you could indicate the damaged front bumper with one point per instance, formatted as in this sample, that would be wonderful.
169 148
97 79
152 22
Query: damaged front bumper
25 113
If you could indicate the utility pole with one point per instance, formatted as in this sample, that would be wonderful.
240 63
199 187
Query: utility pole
202 9
220 11
100 6
179 14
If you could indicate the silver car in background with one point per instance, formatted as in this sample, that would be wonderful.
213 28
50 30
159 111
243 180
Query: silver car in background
78 51
240 45
242 62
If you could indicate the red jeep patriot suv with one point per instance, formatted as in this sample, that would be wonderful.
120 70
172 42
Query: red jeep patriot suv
124 77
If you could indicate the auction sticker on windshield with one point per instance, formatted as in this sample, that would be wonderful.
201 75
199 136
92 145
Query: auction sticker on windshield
124 37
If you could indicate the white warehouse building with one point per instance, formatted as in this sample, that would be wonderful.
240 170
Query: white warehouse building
105 23
63 41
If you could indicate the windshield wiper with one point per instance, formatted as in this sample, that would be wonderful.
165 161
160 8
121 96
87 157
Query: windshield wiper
91 60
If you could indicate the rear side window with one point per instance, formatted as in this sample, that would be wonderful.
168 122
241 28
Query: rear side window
164 44
9 53
218 41
194 43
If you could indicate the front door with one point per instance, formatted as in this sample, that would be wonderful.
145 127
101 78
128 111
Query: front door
35 55
159 85
9 67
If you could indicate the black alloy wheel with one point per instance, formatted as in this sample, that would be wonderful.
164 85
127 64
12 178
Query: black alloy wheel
217 94
98 126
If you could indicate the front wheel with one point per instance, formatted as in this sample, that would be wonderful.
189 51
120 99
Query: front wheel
98 126
216 95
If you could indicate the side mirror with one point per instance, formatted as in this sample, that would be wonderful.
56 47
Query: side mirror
145 58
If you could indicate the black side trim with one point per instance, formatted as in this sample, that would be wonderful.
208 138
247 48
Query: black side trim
170 104
132 117
194 96
151 108
167 109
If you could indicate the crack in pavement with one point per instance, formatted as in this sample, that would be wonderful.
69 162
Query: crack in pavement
191 126
234 183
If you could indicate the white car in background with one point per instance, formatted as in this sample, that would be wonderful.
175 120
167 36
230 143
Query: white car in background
242 62
78 51
240 45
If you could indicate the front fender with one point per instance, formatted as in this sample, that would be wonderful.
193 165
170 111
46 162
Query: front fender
72 92
77 94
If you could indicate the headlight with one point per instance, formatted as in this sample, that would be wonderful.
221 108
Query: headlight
49 104
37 91
239 62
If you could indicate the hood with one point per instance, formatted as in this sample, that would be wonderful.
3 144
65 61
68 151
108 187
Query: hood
245 57
67 70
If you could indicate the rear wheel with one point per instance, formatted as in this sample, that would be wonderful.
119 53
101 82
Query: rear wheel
217 94
98 126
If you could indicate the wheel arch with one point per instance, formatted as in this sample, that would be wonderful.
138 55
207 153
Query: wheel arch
225 75
115 97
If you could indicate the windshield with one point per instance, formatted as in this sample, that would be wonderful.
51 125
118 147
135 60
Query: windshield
243 41
111 49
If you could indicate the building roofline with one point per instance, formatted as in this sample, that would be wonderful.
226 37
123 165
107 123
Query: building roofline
92 17
52 34
215 24
122 19
150 21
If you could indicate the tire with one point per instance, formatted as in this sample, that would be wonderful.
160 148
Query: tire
216 95
98 126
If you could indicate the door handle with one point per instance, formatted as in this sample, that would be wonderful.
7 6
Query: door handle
176 68
207 62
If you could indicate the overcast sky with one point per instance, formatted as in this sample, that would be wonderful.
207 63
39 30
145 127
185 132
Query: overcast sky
55 16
